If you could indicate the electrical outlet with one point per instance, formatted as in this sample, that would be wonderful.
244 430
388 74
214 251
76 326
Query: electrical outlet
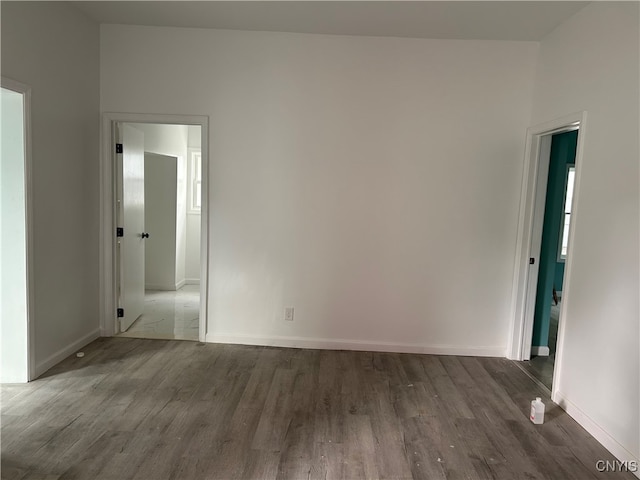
288 314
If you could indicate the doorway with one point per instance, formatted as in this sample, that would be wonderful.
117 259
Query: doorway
159 252
530 242
553 253
16 284
155 226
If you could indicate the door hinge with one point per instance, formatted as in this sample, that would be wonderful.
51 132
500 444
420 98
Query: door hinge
120 312
118 148
532 261
119 232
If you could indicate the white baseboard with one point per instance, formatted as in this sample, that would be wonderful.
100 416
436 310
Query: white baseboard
63 353
357 345
540 351
166 288
607 441
172 287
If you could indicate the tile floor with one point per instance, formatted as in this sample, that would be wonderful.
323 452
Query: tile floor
169 315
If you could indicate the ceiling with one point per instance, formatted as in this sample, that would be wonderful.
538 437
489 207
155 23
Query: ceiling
479 20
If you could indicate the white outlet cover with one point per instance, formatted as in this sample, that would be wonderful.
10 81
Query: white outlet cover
288 314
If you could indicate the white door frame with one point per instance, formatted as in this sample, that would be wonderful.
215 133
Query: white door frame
530 220
108 299
25 90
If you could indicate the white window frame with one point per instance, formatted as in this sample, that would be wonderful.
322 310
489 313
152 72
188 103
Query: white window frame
570 166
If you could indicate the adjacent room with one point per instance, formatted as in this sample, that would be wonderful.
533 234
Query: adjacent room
350 240
159 253
556 202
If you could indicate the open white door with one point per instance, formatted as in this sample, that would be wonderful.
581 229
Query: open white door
130 199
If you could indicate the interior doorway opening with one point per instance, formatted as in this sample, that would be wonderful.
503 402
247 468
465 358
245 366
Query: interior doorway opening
158 208
558 199
116 300
529 244
16 289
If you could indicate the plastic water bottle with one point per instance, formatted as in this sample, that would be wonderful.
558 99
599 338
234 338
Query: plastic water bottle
537 411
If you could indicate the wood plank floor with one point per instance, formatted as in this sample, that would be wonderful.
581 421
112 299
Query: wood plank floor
156 409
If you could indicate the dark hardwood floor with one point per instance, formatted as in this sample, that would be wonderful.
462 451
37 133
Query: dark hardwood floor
157 409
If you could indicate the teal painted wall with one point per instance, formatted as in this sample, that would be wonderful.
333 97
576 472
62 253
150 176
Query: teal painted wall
559 276
563 152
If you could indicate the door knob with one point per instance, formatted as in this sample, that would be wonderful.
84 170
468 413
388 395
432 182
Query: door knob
144 235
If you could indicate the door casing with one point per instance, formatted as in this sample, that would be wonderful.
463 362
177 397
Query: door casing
108 258
530 220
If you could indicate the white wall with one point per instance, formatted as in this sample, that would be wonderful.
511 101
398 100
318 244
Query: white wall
591 63
192 260
371 183
172 140
194 137
14 361
160 208
54 49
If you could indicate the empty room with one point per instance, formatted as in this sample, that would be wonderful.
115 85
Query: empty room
339 240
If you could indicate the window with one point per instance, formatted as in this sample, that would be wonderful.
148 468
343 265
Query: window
564 228
195 184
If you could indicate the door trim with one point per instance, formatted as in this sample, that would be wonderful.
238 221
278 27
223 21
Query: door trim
529 235
25 90
108 297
